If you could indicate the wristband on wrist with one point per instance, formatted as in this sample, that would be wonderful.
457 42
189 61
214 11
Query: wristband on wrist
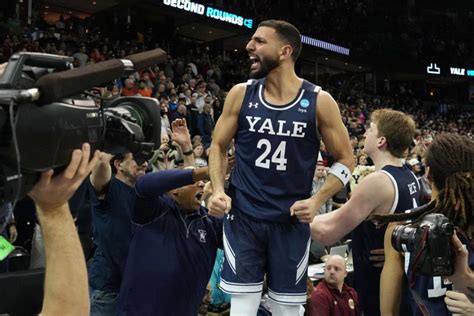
187 153
341 172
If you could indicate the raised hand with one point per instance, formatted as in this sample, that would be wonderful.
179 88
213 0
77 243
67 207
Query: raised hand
53 192
180 134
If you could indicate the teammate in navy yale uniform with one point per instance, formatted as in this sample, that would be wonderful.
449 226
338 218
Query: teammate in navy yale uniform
450 165
392 188
277 121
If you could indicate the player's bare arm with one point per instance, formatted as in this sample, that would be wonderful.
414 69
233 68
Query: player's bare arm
374 195
336 138
224 131
391 278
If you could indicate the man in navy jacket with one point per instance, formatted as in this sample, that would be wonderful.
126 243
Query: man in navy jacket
173 249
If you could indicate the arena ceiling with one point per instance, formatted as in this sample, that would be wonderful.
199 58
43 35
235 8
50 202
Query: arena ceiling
81 6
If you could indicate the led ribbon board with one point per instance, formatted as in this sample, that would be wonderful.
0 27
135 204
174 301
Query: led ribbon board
324 45
209 12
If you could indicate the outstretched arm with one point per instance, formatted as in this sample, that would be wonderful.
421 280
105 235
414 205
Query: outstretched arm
331 227
66 291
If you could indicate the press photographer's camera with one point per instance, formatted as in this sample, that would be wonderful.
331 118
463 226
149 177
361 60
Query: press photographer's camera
43 118
429 243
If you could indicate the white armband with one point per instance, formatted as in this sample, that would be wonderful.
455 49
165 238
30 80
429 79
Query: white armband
341 172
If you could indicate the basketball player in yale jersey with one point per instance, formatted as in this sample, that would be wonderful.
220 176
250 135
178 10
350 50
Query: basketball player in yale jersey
276 120
392 188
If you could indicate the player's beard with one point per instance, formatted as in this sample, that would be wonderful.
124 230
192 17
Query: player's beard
267 64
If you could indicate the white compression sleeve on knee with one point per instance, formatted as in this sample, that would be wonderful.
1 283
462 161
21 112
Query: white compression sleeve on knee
285 310
245 304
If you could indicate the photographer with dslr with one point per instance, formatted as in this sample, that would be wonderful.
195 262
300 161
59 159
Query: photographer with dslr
426 243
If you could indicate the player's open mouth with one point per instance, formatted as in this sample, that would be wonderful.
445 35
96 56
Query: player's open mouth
254 62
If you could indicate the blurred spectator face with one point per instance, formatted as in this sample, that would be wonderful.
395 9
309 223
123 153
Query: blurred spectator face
164 107
161 88
354 142
362 160
182 109
129 83
207 108
427 140
322 146
415 165
165 138
198 151
197 139
263 51
335 271
320 172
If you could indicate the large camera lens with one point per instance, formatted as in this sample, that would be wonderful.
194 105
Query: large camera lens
403 238
145 112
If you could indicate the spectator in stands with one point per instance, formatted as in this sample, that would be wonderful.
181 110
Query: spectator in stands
416 167
318 180
143 89
332 297
181 111
167 156
199 159
206 125
360 171
81 56
129 89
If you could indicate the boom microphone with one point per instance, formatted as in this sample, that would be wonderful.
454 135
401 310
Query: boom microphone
147 59
63 84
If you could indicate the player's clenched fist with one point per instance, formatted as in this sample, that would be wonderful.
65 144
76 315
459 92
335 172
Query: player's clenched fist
219 204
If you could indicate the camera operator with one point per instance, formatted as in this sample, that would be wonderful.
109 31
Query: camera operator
66 291
450 166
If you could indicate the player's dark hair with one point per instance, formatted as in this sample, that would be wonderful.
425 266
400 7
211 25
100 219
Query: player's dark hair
288 33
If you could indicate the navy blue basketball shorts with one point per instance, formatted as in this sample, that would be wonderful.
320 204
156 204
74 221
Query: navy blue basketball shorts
254 249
